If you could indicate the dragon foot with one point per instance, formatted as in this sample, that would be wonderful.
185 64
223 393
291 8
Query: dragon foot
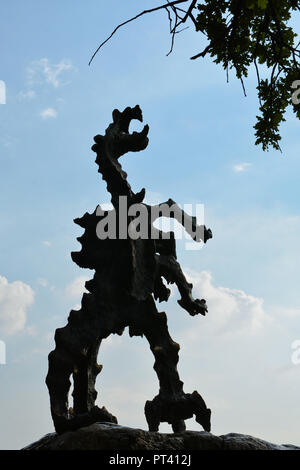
63 424
175 411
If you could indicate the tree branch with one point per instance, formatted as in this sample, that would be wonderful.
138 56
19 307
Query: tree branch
188 13
166 5
201 54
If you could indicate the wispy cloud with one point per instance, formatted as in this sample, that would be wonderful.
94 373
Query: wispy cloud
288 312
76 289
42 282
15 298
27 95
6 140
31 330
48 113
47 243
42 70
241 167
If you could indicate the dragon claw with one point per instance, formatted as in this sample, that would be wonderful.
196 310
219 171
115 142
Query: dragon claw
193 306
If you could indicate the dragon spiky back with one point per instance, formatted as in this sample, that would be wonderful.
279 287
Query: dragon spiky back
125 262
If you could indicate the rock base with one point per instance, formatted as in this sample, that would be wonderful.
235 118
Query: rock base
110 436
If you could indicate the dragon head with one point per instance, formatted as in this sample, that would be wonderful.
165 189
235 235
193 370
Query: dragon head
117 140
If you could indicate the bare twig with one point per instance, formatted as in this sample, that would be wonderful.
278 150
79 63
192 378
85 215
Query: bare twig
243 86
166 5
169 18
173 39
173 31
258 78
188 13
182 29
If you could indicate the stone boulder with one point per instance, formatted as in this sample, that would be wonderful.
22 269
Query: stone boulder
110 436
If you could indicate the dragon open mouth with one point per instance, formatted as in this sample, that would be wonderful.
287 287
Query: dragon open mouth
134 141
123 119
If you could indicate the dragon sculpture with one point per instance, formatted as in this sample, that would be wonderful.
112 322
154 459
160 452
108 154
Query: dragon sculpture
128 279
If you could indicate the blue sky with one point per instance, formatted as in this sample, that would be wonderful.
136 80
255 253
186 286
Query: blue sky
201 150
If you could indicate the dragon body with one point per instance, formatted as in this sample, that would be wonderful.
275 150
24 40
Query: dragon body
129 276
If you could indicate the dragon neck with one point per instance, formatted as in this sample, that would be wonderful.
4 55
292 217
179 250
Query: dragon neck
115 177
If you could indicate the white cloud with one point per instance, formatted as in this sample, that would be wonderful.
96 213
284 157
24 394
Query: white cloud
42 282
48 113
77 288
42 70
230 310
287 312
27 95
106 206
241 167
152 198
47 243
15 298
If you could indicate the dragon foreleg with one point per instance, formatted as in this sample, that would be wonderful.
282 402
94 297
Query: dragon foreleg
170 269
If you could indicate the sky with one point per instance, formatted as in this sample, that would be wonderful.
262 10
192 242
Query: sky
243 357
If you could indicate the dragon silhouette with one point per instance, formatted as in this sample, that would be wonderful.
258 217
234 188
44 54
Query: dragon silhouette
129 276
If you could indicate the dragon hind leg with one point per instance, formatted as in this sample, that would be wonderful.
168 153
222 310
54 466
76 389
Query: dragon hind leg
171 405
75 354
